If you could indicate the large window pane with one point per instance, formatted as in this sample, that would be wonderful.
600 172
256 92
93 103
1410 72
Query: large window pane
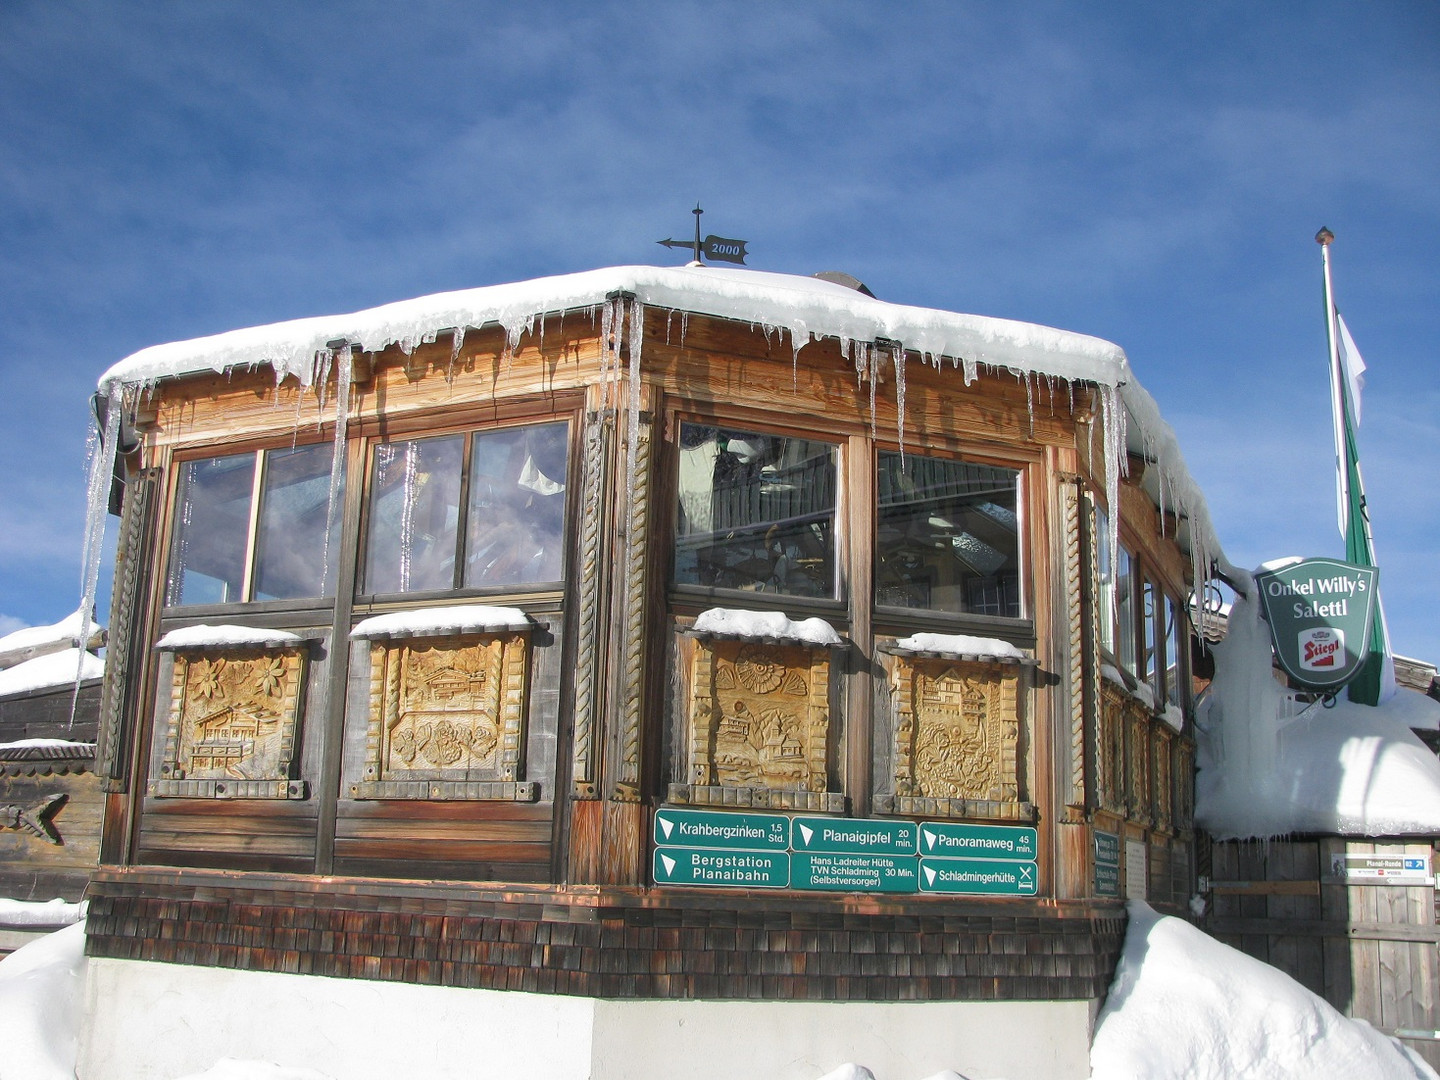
515 531
414 515
947 537
293 555
212 527
1125 611
1105 615
1175 690
755 512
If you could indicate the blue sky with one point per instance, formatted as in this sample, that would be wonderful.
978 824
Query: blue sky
1147 174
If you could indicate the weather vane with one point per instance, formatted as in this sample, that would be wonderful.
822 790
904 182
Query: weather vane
714 248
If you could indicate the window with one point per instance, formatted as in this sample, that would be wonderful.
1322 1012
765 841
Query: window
1175 688
512 484
224 551
947 536
755 512
1151 633
1125 611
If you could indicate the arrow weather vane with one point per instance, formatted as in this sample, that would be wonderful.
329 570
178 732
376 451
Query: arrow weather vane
714 248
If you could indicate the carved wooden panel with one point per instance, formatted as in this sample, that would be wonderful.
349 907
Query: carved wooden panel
231 727
1185 785
759 727
957 739
1164 777
1110 753
447 718
1137 754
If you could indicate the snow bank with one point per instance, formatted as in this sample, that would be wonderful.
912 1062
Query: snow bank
1184 1006
51 670
234 1069
454 619
765 626
40 998
204 635
36 913
963 645
1349 770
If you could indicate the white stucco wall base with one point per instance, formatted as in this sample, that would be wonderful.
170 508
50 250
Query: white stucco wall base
149 1021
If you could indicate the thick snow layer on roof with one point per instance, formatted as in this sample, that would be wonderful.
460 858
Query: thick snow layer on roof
21 645
51 670
803 306
983 648
207 635
453 619
1185 1007
46 744
41 991
39 913
1349 770
765 626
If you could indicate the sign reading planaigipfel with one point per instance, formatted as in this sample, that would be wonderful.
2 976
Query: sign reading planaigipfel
1319 612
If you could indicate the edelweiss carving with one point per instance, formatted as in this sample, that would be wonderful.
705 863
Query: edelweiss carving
760 726
446 718
957 735
231 730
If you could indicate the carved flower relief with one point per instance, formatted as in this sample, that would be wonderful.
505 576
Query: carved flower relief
758 669
206 678
443 743
271 676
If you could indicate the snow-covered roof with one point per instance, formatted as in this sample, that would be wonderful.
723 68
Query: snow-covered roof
49 671
33 641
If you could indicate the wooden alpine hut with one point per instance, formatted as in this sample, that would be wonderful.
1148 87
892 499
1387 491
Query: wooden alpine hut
623 653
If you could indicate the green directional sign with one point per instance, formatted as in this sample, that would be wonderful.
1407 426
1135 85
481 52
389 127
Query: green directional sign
1013 842
853 872
721 829
1319 612
987 876
735 869
853 835
1107 864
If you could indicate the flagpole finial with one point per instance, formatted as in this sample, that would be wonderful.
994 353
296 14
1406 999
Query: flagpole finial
1324 237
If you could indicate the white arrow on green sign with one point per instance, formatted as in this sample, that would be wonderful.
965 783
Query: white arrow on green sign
1014 842
733 869
721 829
988 876
863 836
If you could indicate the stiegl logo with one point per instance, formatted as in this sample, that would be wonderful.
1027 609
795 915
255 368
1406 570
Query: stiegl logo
1321 648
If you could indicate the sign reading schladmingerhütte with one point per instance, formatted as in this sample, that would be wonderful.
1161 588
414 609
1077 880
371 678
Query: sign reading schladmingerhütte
1320 611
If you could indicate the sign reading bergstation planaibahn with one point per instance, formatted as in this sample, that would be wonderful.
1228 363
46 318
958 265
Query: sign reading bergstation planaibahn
744 850
1320 611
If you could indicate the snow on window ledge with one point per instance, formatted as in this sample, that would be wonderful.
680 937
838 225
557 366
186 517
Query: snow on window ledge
768 626
435 621
1173 716
208 636
959 647
1140 691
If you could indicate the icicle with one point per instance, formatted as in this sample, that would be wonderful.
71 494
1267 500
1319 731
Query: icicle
101 450
872 372
900 401
607 325
457 341
637 341
343 369
970 374
1113 413
684 325
1029 402
797 342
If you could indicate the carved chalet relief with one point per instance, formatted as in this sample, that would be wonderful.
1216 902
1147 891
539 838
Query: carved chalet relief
957 739
759 723
230 732
447 718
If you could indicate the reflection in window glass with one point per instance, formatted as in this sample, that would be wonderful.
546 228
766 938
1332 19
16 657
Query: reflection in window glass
1125 611
414 515
1174 671
1107 599
212 528
947 537
1150 636
515 530
755 512
292 550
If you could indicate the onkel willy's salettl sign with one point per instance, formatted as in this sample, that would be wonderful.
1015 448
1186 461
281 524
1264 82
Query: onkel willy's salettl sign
1320 611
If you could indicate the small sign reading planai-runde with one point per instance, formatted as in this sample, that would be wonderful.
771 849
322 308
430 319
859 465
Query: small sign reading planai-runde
1012 842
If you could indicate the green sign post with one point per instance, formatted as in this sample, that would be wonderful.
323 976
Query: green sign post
852 835
1320 612
708 866
712 829
1010 842
987 876
849 872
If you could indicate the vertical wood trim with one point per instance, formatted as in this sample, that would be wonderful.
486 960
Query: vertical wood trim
1041 718
634 637
337 668
589 690
1074 684
1090 675
252 538
856 727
